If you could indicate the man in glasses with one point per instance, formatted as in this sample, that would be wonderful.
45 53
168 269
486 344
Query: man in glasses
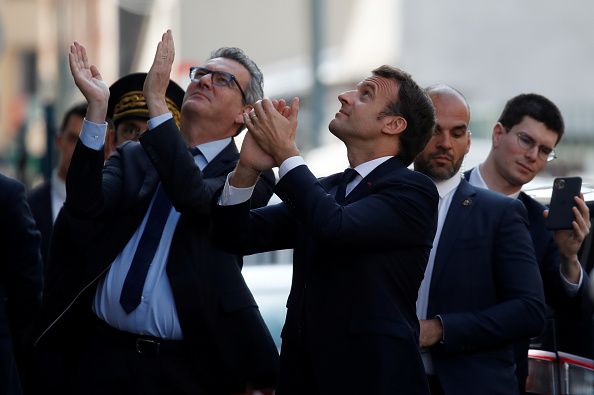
523 142
149 305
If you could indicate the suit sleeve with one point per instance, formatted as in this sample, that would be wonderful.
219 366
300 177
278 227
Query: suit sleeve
92 189
21 267
571 307
184 182
397 213
518 312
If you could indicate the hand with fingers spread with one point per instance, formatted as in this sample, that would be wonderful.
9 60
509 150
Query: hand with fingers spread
157 79
88 79
569 241
274 131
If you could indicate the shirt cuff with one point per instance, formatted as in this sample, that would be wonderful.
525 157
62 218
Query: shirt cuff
232 196
570 288
92 134
158 120
289 164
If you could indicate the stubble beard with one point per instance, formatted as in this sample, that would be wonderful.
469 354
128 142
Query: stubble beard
433 172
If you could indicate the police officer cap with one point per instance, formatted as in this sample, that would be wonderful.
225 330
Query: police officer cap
126 99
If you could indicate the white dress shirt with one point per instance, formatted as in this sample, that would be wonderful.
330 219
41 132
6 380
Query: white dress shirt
446 190
156 315
58 194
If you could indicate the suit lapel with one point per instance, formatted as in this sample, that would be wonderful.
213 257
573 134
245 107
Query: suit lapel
221 161
366 184
462 204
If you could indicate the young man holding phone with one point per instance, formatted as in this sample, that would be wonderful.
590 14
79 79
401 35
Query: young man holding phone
523 142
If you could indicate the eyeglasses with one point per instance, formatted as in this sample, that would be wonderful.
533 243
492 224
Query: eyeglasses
130 133
219 78
526 142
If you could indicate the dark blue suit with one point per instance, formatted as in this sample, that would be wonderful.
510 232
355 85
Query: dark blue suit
351 325
20 281
548 259
40 201
228 342
486 289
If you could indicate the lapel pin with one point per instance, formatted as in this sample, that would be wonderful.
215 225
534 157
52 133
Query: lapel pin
466 202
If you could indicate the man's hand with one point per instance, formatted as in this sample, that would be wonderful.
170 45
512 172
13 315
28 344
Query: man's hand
252 159
88 79
273 126
569 241
157 79
431 332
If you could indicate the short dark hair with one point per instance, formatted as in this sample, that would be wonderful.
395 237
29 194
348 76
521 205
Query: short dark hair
534 106
78 109
255 87
414 105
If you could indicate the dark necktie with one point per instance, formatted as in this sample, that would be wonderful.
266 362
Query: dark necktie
194 151
145 251
346 177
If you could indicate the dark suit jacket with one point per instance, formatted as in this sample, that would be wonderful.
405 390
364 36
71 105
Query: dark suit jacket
547 257
486 289
229 341
40 201
20 280
357 269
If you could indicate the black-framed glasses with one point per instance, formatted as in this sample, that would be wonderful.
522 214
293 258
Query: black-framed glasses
219 78
526 142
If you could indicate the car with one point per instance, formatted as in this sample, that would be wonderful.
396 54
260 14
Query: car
561 359
270 282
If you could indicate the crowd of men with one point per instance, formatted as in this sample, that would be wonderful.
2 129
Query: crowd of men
123 272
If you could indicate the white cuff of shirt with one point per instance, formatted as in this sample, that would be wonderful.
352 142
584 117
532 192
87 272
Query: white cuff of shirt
92 134
289 164
158 120
570 288
232 196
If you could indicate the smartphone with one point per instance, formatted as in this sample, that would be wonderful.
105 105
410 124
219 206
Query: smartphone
560 210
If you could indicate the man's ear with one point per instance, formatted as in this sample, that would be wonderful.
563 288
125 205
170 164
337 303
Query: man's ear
394 125
498 131
246 109
468 143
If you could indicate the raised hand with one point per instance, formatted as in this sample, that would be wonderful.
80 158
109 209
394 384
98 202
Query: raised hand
89 81
273 128
569 241
157 79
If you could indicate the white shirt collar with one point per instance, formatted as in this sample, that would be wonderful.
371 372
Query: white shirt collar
211 149
444 187
476 179
365 168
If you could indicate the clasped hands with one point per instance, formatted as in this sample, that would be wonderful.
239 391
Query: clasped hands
270 139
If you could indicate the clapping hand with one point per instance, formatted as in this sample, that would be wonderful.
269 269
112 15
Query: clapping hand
88 79
157 79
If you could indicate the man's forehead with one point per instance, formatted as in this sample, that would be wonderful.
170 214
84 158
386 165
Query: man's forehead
379 83
224 64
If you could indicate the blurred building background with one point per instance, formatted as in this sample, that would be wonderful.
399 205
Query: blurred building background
313 49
